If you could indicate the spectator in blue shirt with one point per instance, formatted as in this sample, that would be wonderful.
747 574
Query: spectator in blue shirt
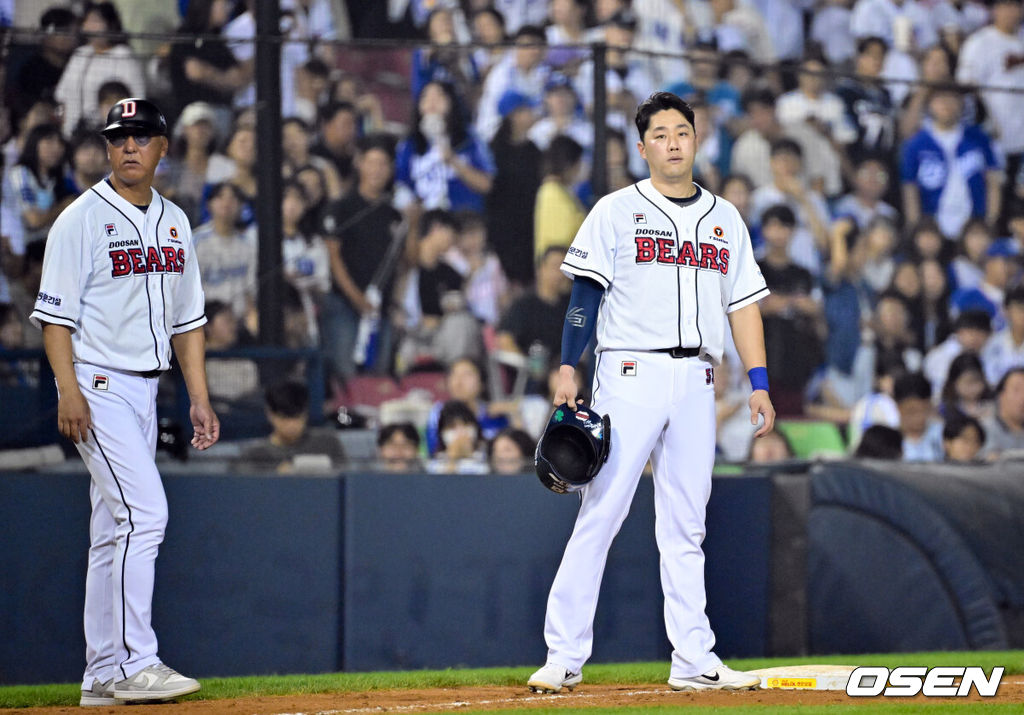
34 187
1001 268
949 170
443 59
464 383
442 162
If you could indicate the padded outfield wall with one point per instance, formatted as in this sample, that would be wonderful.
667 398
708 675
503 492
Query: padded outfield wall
266 574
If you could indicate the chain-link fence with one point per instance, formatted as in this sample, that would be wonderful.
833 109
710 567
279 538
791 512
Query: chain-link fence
474 129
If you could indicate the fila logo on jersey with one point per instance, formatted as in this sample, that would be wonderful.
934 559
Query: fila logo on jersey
628 368
639 218
139 261
110 229
662 250
100 382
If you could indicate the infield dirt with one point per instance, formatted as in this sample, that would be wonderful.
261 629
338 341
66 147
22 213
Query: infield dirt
502 698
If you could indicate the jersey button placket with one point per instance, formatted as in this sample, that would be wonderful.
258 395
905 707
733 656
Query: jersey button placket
686 287
154 287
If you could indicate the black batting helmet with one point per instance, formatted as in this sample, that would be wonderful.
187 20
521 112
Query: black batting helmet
135 114
573 447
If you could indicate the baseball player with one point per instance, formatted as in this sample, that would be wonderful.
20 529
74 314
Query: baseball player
657 267
120 287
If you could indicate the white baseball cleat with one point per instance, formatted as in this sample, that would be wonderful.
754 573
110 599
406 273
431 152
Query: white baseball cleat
721 678
552 678
99 695
154 683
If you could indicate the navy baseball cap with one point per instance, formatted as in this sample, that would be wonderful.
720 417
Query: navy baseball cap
135 114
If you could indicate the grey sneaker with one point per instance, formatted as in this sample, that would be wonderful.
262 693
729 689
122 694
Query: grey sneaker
100 694
552 678
721 678
155 683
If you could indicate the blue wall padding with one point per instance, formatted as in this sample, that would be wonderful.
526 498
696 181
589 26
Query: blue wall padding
985 504
248 578
456 571
263 574
887 572
44 540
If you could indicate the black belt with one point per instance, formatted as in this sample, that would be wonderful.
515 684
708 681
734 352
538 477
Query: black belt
150 373
679 352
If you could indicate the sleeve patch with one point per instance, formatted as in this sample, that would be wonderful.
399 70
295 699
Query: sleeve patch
55 301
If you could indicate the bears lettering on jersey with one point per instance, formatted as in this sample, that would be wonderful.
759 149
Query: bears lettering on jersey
662 250
141 261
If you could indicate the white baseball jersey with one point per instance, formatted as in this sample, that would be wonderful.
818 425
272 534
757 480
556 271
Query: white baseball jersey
141 274
671 273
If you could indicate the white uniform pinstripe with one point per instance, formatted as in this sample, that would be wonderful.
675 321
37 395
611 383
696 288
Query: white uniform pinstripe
124 282
671 274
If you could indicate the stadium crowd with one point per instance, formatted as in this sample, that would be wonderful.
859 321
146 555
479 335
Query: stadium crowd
874 147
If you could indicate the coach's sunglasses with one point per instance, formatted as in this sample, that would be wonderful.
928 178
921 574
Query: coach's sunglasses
120 138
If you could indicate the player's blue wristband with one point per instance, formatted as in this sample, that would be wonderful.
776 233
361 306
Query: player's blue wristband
758 378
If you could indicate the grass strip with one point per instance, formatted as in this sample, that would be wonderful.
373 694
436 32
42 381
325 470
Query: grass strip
21 696
929 708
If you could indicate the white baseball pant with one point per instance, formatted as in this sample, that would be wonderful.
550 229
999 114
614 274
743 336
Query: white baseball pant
129 514
662 408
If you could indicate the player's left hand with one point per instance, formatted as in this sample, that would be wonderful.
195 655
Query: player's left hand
205 425
761 404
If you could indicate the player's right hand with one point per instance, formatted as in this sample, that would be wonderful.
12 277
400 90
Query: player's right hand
761 408
565 389
205 425
73 418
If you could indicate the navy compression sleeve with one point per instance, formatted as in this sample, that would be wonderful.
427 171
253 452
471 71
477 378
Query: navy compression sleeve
580 318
